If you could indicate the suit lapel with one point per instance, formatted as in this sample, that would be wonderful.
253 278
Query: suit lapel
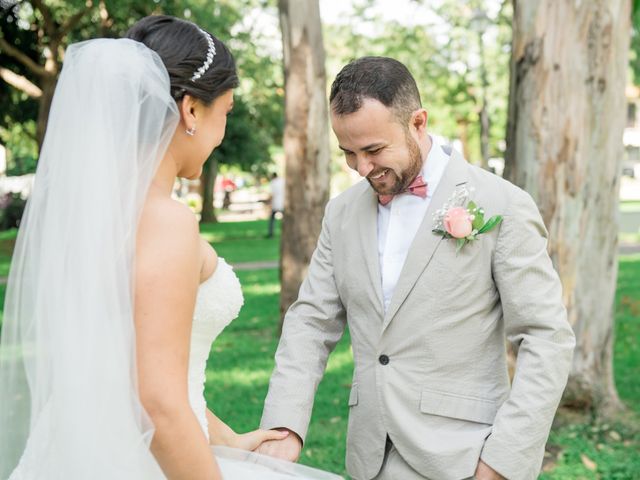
425 242
367 226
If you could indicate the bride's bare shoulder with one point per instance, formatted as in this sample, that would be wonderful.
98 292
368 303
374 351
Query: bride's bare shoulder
167 224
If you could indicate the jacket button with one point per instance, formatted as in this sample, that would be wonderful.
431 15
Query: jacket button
383 359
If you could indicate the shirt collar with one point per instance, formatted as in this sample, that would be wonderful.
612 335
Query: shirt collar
434 165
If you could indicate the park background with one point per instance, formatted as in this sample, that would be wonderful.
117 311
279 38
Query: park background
544 93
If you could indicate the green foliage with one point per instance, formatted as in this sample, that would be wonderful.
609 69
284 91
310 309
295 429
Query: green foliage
245 144
256 122
634 53
445 59
18 110
21 147
478 40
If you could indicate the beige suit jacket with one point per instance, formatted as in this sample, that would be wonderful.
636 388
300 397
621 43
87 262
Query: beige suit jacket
431 372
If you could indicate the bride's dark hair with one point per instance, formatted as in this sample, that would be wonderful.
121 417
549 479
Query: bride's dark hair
183 49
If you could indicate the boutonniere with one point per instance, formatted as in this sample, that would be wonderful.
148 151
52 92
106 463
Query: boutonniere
462 220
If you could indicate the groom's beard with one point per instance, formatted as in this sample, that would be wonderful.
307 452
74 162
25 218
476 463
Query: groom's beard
401 183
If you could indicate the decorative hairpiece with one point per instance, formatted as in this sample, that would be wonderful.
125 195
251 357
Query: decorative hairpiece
211 52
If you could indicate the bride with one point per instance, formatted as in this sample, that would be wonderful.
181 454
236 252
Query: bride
113 298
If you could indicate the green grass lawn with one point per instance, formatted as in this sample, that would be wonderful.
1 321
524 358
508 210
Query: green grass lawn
243 241
611 447
241 361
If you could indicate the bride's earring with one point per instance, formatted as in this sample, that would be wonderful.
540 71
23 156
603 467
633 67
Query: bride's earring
191 131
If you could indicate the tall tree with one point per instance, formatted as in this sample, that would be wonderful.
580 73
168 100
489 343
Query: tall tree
50 31
459 59
564 146
34 34
306 141
33 37
246 145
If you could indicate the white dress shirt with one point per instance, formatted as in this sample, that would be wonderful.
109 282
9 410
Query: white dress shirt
399 220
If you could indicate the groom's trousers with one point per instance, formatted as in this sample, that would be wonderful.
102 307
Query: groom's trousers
394 467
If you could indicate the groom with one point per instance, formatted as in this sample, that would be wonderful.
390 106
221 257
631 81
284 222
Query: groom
427 313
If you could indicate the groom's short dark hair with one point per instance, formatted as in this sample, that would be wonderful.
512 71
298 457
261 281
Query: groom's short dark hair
380 78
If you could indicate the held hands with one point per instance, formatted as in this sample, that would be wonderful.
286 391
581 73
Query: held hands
286 448
252 440
485 472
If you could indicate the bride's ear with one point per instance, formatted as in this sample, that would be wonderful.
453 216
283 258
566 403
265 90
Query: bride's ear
188 111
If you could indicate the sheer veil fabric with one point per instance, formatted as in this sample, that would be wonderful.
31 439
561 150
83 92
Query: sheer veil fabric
69 407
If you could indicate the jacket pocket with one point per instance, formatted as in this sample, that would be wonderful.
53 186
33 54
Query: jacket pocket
458 406
353 396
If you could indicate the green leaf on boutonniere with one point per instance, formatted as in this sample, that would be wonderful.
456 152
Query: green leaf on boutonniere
478 220
471 206
460 242
492 223
437 231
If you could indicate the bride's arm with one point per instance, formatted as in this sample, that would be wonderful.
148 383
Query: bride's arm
219 432
222 434
166 281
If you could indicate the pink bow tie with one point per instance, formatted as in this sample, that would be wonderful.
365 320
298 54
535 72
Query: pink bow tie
418 187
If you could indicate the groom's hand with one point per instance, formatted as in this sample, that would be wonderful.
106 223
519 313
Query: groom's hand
287 449
485 472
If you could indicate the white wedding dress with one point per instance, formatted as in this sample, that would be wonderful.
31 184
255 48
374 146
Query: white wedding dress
218 302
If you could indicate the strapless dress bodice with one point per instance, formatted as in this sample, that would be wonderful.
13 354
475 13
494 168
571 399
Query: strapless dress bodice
218 302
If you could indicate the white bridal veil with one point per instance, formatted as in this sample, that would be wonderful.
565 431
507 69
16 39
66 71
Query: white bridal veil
69 407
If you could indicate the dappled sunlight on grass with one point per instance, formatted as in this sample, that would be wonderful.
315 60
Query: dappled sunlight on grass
239 376
242 360
264 289
627 333
242 241
340 359
602 450
10 234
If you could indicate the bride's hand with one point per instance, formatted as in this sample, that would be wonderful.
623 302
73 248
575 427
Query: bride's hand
287 449
252 440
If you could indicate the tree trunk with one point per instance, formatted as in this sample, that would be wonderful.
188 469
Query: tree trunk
208 181
306 141
564 146
48 85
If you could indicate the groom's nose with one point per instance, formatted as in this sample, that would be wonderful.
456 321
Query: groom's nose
364 166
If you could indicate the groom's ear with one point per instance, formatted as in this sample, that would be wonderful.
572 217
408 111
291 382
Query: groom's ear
418 122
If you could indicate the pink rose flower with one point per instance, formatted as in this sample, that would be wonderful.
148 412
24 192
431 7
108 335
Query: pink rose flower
457 222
